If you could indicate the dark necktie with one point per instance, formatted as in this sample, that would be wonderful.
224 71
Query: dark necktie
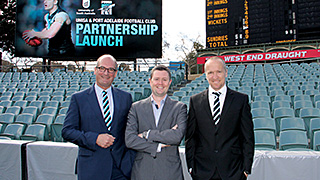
106 110
216 108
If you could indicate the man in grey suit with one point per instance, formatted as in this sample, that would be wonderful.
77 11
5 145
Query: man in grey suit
155 128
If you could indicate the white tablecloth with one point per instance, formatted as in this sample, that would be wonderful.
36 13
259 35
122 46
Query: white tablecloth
10 159
286 165
51 160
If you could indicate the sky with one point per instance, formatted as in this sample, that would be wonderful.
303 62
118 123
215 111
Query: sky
183 16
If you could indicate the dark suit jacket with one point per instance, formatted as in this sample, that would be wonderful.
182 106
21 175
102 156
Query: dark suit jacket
84 122
229 146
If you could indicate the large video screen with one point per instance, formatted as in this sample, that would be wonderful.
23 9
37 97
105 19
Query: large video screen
85 29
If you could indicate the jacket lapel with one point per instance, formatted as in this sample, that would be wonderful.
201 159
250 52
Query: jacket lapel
206 105
94 104
116 104
165 111
149 113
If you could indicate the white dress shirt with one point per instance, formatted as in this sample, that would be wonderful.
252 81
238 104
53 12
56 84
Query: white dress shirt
99 95
212 97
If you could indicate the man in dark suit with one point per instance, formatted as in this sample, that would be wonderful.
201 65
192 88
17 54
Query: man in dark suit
220 138
96 121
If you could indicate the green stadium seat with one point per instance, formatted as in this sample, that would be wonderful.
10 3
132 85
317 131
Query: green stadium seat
265 123
299 104
14 110
56 128
22 103
280 113
260 104
25 118
264 140
293 139
307 114
14 131
292 124
46 119
36 132
39 104
316 141
63 110
260 113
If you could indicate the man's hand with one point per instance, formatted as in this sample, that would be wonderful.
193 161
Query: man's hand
175 127
164 145
245 174
105 140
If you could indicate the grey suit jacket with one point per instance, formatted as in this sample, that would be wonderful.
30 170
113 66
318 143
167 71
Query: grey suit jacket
150 164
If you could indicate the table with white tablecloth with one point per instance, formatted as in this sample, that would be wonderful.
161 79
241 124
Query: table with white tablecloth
52 160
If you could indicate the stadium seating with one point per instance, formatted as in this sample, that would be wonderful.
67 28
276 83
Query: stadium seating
56 128
264 123
308 113
269 87
316 141
13 131
292 124
280 113
35 132
7 118
293 139
264 140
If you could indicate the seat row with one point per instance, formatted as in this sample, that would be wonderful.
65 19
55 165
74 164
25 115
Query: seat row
46 127
290 140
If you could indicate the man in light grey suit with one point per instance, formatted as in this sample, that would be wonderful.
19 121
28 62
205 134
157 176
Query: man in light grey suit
155 128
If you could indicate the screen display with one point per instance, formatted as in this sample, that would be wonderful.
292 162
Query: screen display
236 23
85 29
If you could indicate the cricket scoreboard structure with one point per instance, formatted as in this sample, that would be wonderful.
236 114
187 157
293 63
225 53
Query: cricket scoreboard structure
124 28
245 22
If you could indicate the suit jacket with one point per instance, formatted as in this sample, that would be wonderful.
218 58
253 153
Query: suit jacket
84 122
148 163
228 146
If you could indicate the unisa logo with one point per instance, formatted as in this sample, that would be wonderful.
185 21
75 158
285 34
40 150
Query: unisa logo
106 7
85 3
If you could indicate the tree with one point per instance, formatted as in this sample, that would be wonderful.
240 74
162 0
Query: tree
7 24
189 47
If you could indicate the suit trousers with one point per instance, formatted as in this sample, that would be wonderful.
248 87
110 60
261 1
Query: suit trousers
117 173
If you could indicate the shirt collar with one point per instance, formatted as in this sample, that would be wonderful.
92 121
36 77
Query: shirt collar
161 102
223 90
99 89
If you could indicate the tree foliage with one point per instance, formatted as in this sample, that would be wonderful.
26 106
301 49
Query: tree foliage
7 24
189 47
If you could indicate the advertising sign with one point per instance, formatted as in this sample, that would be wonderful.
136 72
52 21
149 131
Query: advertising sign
271 56
89 28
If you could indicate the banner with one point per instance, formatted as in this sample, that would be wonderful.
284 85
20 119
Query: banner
272 56
87 29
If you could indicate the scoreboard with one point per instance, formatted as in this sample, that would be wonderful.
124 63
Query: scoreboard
244 22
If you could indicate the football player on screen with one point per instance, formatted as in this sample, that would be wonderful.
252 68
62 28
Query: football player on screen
57 30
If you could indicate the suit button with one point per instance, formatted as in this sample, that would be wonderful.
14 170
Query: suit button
216 151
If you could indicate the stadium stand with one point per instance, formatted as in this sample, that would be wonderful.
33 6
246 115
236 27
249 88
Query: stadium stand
265 140
271 89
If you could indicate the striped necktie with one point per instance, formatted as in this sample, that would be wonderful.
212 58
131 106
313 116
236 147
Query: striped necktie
106 110
216 108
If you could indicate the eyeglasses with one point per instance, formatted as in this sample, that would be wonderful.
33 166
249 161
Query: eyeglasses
103 69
